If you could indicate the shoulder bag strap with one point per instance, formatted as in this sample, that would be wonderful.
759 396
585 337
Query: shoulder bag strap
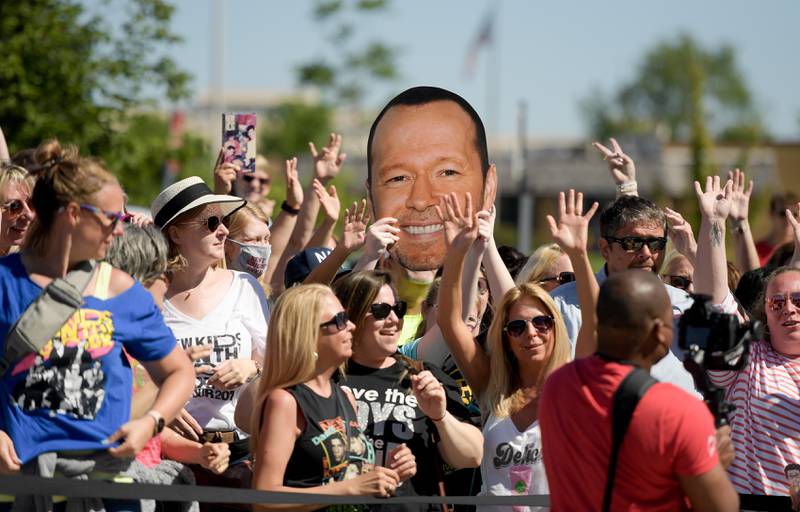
44 317
626 398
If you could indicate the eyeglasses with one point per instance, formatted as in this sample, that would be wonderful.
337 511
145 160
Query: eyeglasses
542 323
635 243
249 178
483 286
339 320
212 223
15 207
381 310
777 302
563 277
114 217
681 282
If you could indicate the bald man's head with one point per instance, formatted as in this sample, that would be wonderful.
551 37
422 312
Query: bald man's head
630 304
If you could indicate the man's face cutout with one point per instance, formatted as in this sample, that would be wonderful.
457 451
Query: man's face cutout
419 154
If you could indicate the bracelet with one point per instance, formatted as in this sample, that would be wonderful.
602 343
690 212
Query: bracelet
259 372
437 420
627 187
738 225
288 209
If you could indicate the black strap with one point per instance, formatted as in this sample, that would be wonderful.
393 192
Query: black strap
626 398
181 199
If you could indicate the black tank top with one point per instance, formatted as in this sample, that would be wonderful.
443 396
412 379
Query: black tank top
331 448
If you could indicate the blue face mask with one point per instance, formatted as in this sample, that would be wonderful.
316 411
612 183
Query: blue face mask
252 258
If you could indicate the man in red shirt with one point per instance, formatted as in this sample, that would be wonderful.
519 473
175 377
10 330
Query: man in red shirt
669 452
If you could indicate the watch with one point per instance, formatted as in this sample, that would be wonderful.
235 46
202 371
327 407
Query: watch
159 419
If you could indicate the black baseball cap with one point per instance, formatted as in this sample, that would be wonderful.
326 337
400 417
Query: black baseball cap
303 263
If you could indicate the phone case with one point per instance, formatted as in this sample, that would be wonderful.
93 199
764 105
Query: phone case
239 139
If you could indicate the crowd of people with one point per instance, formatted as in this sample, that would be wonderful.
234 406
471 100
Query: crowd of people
225 340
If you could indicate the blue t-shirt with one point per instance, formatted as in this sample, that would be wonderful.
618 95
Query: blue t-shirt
76 391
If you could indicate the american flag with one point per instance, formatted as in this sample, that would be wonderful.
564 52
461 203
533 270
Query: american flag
482 38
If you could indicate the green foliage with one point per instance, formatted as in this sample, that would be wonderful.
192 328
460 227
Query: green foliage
341 74
68 73
291 125
661 98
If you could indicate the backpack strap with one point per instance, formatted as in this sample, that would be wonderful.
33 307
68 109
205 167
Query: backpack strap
44 316
626 398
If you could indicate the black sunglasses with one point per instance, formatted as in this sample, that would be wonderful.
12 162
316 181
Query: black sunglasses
563 277
16 206
679 281
381 310
212 223
339 320
249 177
543 323
635 243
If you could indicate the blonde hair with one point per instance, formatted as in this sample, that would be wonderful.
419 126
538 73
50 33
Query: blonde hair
239 219
11 174
503 392
538 265
62 176
291 344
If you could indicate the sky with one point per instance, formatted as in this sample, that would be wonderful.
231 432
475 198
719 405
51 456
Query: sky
550 54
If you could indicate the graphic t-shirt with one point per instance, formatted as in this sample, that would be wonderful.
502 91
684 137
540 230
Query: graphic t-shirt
671 434
389 414
76 391
237 328
766 422
332 447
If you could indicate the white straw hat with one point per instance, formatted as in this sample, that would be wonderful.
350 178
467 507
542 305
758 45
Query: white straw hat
186 194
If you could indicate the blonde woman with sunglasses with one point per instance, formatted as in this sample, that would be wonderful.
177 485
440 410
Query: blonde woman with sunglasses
16 209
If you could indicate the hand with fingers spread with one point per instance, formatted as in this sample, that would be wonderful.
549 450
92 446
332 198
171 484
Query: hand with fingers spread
715 201
328 199
328 162
232 373
621 167
356 218
681 234
134 435
9 461
571 232
740 196
430 395
460 229
224 175
403 462
185 425
294 189
214 457
795 223
381 235
485 220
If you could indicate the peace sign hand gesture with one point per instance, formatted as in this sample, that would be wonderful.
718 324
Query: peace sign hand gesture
620 165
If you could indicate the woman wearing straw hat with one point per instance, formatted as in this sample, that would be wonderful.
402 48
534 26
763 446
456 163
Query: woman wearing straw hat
220 312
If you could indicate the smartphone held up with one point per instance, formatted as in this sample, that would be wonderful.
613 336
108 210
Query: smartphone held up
239 140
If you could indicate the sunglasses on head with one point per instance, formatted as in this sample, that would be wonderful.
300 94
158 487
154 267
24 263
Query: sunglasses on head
114 217
563 277
249 178
542 323
339 320
681 282
15 207
778 302
381 310
635 243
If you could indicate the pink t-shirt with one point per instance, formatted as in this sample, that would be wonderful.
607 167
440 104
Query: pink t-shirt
766 422
671 433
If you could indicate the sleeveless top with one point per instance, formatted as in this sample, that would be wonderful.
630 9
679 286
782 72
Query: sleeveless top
512 461
331 447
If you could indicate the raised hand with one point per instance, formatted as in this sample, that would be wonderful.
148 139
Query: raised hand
571 232
430 395
620 165
681 234
740 196
381 235
355 225
294 190
460 229
224 175
328 199
328 162
795 223
715 201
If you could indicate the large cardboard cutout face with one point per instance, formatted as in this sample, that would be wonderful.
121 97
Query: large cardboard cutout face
419 154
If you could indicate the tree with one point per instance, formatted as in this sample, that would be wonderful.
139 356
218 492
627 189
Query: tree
677 84
68 73
292 124
344 71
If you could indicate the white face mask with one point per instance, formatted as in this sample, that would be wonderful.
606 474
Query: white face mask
252 258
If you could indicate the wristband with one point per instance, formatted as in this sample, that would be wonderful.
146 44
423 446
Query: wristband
159 419
259 371
437 420
288 209
627 188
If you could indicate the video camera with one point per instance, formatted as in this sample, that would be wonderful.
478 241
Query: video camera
714 341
